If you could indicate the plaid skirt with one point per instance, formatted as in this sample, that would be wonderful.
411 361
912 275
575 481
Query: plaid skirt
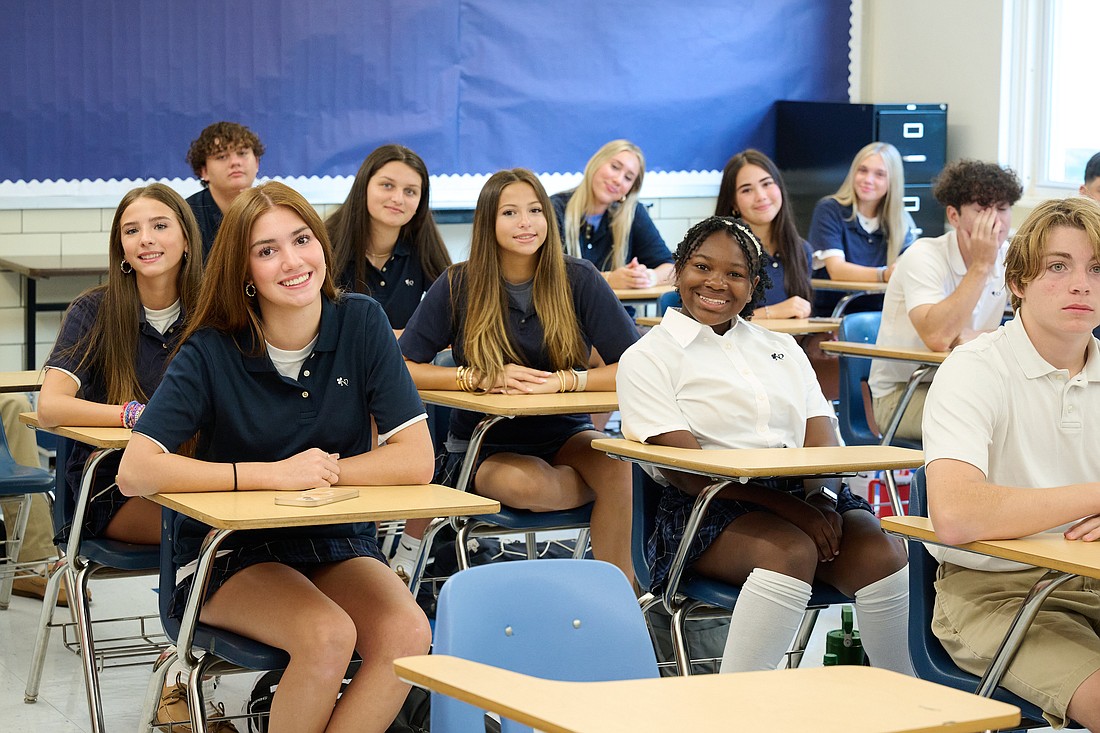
301 553
675 508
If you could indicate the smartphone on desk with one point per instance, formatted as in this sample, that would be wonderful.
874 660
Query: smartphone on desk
316 497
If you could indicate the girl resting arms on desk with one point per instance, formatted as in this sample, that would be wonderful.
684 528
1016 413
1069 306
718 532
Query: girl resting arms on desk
706 378
753 190
384 238
114 345
279 375
522 319
602 221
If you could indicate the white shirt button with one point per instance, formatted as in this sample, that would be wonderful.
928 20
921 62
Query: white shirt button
305 373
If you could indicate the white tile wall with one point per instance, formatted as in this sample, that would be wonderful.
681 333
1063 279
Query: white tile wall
85 231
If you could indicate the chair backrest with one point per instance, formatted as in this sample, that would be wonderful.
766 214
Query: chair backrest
854 371
574 620
671 299
647 496
930 660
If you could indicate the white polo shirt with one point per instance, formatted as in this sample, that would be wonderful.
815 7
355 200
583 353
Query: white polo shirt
929 271
749 388
999 406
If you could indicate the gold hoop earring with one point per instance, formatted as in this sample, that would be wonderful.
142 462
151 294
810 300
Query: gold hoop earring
250 290
126 267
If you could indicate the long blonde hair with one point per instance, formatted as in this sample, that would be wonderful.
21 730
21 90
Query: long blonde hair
621 213
891 210
487 343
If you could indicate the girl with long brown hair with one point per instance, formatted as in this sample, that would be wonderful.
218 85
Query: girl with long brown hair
522 319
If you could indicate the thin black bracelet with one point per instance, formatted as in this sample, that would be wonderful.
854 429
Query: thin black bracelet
234 476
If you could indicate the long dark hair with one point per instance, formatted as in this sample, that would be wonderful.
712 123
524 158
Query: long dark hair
788 243
349 226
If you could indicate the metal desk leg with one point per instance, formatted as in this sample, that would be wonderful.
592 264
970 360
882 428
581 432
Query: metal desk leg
895 420
1039 592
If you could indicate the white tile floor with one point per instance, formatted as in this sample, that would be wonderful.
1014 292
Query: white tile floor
62 706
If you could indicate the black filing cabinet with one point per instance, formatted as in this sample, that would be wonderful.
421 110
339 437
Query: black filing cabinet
816 141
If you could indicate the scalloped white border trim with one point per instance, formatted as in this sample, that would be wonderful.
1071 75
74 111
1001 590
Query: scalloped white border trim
448 192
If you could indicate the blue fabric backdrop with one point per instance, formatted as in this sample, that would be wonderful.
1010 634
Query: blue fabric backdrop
119 88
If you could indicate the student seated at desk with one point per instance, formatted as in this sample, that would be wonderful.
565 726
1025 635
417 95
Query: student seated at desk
947 289
384 238
522 319
858 232
1010 437
115 343
753 190
707 378
276 380
602 221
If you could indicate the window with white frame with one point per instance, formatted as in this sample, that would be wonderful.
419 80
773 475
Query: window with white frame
1070 112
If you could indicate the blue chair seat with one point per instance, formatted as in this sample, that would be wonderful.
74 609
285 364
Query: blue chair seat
522 519
723 595
120 555
238 650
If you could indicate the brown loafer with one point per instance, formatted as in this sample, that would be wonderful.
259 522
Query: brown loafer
34 586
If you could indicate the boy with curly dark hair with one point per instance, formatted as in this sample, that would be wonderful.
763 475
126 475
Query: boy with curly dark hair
225 158
946 290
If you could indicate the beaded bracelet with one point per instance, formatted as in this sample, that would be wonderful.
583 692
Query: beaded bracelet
131 411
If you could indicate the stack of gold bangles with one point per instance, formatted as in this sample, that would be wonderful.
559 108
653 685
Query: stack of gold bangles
578 380
468 380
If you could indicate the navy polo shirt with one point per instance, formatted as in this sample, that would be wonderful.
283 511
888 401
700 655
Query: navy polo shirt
244 410
645 241
153 350
834 227
777 293
209 217
602 320
398 286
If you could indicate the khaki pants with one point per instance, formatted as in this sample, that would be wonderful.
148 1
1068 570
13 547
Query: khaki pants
910 426
38 540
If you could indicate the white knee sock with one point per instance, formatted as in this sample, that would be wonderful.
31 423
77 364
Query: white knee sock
882 612
764 622
405 557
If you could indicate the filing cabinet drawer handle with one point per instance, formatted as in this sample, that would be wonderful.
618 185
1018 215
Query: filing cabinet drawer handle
914 158
912 129
911 203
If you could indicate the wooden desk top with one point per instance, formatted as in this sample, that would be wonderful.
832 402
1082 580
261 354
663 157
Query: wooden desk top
793 326
651 293
790 699
1046 550
855 348
765 462
257 509
94 436
848 286
566 403
45 266
28 381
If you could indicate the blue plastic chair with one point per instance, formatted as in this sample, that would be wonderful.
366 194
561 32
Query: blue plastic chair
671 299
571 620
692 596
930 661
18 484
213 651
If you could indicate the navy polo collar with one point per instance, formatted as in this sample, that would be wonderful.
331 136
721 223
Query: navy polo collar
326 339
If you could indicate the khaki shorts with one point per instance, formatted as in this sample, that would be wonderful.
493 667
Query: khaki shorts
910 426
1062 648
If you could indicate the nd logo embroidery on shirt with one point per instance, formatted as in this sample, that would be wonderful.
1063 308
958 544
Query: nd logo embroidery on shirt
410 282
342 381
777 357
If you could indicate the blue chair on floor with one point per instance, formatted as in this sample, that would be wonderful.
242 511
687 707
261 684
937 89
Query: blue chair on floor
571 620
930 661
85 558
688 596
213 651
18 485
671 299
854 372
